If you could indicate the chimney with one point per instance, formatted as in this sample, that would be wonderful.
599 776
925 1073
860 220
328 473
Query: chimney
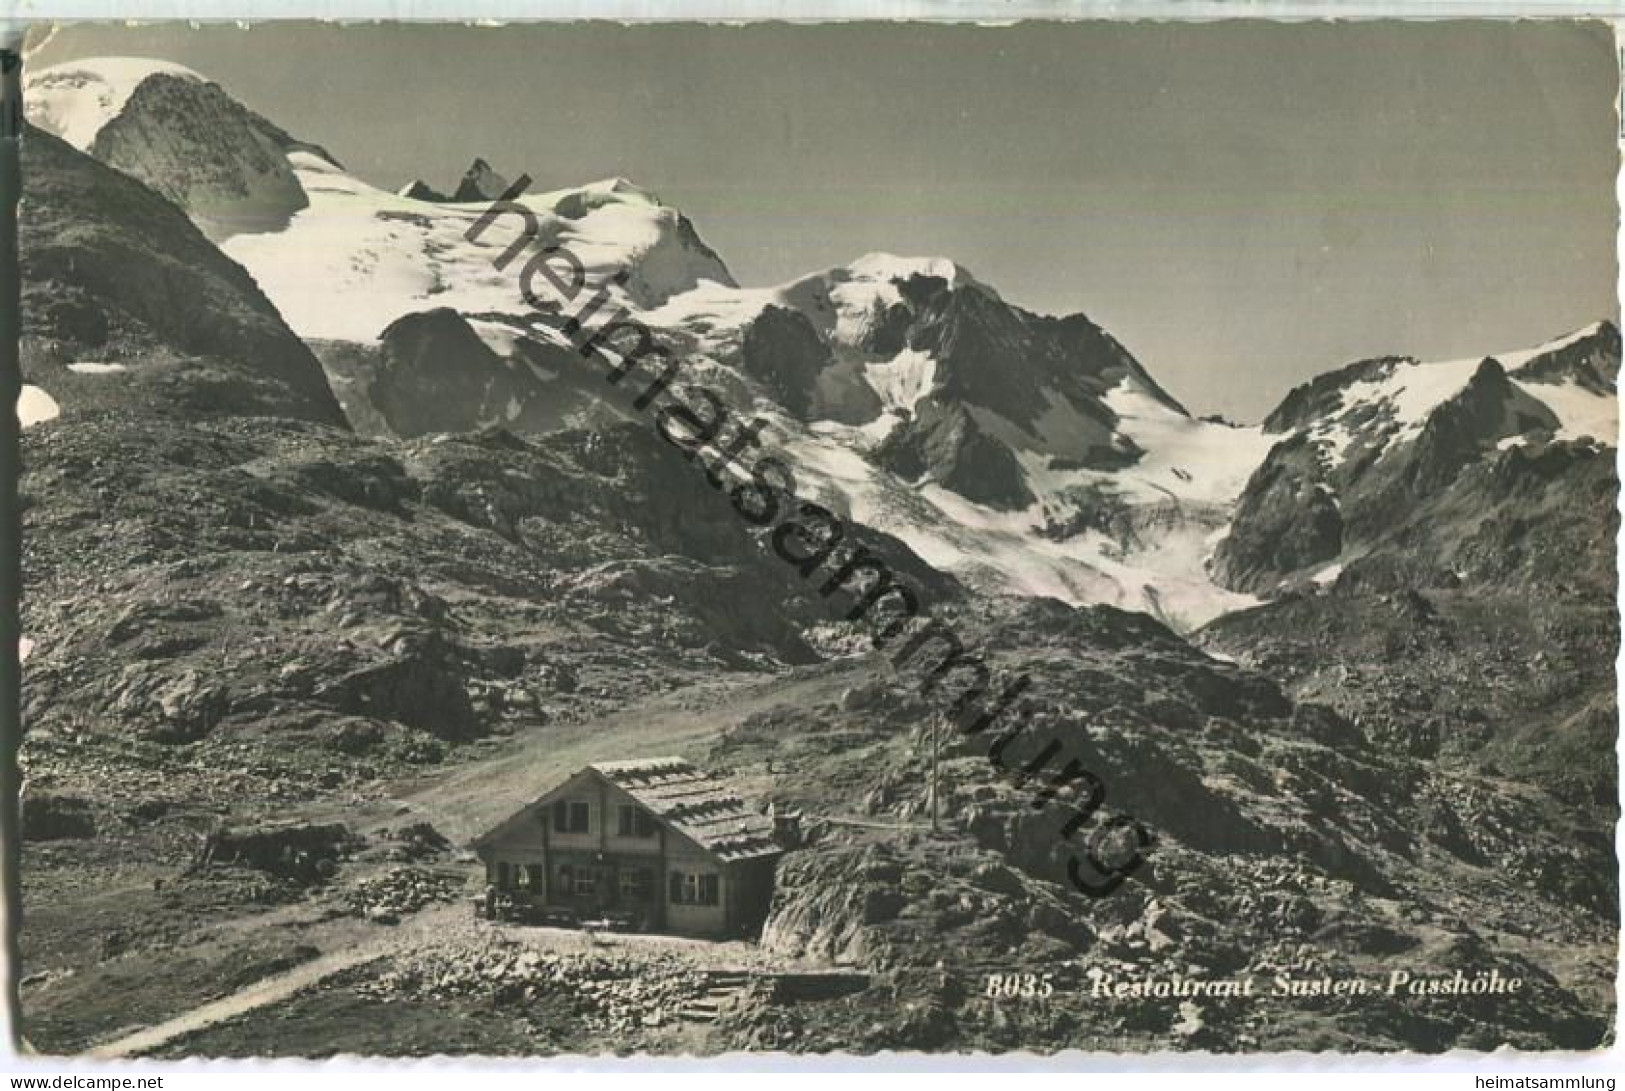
786 826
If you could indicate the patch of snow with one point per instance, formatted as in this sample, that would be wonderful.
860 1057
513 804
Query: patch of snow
310 161
1210 544
843 304
715 313
1512 361
1333 441
88 368
1580 412
1165 577
1393 407
359 257
35 406
860 437
882 268
1411 391
343 268
500 337
861 293
1327 576
904 379
1192 460
25 648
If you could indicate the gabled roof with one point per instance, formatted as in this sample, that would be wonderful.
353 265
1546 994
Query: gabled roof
700 806
695 804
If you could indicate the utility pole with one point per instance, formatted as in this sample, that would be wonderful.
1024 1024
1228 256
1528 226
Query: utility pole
11 383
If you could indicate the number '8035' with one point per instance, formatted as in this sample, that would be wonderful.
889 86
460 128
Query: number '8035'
1022 986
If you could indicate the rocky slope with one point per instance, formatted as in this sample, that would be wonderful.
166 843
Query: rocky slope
127 304
252 616
199 587
1290 841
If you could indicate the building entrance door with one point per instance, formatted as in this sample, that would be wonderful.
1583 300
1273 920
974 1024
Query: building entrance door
604 889
635 893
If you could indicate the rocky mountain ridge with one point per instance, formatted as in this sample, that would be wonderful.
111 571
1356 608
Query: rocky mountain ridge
918 400
1379 445
1023 453
1427 533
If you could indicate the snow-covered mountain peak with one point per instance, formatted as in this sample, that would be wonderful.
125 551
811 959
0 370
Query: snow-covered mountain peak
76 99
1383 403
850 306
387 255
178 132
1360 444
622 187
341 258
1021 451
883 268
480 182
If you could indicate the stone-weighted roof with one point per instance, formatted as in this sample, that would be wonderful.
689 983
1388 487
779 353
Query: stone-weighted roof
702 807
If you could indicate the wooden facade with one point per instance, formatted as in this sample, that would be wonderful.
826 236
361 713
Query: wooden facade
656 840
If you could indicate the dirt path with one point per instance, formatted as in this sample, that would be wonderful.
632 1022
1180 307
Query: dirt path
425 930
473 797
415 931
257 995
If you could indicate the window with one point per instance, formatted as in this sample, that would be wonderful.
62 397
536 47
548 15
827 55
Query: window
570 816
689 889
579 882
502 876
635 884
636 822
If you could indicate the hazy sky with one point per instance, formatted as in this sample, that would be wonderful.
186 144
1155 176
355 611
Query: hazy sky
1243 205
